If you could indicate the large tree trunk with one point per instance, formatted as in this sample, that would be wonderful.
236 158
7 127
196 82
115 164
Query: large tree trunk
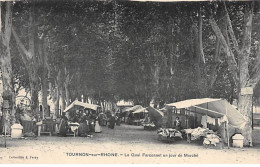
55 94
6 67
33 65
44 75
56 100
245 101
63 104
8 93
44 90
66 87
34 89
245 107
156 77
197 58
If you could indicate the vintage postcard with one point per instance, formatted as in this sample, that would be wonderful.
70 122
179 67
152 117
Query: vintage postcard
129 82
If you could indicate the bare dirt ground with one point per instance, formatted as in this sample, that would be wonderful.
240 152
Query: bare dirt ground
126 144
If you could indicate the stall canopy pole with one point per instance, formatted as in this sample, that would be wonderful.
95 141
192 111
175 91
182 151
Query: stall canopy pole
227 134
186 113
43 112
225 130
227 126
252 113
207 115
189 119
5 136
6 112
4 116
195 115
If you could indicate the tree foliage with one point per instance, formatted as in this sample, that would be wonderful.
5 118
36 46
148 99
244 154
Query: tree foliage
108 51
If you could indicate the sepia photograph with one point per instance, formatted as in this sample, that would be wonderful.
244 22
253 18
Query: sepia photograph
129 82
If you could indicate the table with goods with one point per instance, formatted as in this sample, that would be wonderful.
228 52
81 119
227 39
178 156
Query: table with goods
169 134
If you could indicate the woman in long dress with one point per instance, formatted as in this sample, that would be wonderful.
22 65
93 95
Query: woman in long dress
98 128
63 127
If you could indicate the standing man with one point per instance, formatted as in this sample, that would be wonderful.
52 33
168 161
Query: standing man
112 122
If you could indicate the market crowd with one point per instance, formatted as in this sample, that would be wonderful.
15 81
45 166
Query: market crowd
86 123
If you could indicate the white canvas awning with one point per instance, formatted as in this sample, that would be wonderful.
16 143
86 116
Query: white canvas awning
140 111
135 108
213 107
156 113
85 105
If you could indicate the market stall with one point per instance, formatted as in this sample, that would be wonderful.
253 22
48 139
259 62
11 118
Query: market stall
82 104
139 116
128 114
217 112
76 111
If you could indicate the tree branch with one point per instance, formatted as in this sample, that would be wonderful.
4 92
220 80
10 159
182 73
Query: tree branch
46 55
8 22
229 54
25 54
200 38
0 18
214 70
1 33
230 31
31 31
